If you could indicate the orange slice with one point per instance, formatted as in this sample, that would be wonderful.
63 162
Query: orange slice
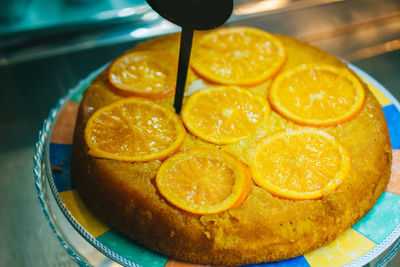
317 95
224 115
203 181
238 55
134 129
146 73
300 164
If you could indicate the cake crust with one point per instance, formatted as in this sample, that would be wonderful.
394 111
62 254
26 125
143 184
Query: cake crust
264 228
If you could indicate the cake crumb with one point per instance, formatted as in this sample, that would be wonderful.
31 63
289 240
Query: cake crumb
208 235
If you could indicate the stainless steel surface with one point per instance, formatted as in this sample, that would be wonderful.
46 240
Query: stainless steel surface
26 238
35 72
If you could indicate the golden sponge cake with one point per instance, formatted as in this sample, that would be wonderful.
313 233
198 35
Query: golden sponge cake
265 227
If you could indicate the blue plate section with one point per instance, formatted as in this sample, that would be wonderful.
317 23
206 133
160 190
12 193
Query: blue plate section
126 248
293 262
392 115
382 219
60 162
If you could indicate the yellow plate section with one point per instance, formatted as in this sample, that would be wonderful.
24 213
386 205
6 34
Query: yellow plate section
347 247
82 215
382 99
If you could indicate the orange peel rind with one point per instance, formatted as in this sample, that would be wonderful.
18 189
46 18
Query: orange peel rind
238 56
317 95
134 130
203 181
300 164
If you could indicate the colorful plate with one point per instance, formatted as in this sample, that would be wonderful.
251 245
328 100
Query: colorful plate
374 239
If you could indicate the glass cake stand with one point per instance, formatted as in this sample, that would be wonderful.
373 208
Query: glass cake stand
373 241
82 252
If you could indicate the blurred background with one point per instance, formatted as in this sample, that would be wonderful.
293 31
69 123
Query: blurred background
47 46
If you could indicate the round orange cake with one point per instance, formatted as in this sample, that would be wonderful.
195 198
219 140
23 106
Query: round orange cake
297 174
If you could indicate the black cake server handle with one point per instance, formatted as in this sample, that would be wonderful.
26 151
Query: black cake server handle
191 15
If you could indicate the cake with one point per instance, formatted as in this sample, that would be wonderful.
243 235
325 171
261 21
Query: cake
263 222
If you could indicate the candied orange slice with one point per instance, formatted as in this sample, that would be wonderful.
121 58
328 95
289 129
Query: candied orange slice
203 181
300 164
224 115
134 129
317 95
238 55
149 74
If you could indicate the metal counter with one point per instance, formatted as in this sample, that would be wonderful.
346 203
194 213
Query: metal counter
37 70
